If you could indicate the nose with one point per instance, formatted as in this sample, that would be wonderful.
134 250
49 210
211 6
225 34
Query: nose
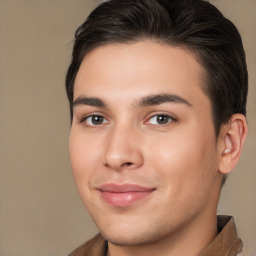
123 149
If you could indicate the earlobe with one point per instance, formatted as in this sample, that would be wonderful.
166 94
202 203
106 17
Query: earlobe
234 136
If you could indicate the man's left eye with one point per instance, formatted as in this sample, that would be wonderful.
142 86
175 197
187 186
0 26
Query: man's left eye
160 120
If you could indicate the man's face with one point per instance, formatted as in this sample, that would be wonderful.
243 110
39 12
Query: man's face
142 144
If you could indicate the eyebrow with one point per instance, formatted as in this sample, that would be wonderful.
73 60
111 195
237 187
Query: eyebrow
95 102
158 99
150 100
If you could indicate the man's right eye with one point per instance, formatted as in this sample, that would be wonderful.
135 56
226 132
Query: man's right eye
94 120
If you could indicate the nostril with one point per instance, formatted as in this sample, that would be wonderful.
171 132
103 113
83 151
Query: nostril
127 164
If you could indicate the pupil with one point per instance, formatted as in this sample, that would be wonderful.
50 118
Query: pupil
162 119
97 119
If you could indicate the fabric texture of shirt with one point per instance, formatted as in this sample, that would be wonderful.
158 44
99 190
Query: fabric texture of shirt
226 243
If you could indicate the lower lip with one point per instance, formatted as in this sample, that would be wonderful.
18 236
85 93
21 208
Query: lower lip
125 198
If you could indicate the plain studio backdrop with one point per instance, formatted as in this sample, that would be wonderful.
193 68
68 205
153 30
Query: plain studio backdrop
41 213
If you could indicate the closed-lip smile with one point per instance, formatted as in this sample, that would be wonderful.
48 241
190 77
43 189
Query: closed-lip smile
122 195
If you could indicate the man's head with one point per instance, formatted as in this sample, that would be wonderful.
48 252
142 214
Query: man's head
150 85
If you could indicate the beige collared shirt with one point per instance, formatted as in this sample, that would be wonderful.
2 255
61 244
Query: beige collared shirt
225 244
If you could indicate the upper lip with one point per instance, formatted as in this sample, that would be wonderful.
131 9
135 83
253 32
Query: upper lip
122 188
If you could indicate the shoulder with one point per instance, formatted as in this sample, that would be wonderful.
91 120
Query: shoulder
97 246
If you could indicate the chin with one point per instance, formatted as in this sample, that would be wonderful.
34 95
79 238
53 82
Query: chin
137 233
132 239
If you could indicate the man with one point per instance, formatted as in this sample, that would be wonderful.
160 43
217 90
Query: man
157 92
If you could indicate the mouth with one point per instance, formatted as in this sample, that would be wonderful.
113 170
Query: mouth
122 195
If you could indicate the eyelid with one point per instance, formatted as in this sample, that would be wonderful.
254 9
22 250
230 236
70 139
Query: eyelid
85 114
172 119
85 117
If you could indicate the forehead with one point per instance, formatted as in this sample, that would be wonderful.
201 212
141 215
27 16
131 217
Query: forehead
140 68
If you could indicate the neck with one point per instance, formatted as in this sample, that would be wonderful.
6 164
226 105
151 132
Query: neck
189 241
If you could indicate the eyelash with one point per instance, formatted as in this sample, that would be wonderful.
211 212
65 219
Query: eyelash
84 119
105 121
170 119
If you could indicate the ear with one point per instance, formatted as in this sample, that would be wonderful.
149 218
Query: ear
230 141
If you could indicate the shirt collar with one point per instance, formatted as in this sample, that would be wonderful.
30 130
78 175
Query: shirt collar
226 243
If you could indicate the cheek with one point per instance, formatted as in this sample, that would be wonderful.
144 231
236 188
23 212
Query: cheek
76 151
184 160
83 158
186 168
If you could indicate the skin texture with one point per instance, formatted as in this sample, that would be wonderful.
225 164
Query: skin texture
181 159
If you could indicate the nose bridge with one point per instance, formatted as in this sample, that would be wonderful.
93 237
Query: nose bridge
123 147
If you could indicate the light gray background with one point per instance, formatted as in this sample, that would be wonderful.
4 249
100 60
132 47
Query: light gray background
40 211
